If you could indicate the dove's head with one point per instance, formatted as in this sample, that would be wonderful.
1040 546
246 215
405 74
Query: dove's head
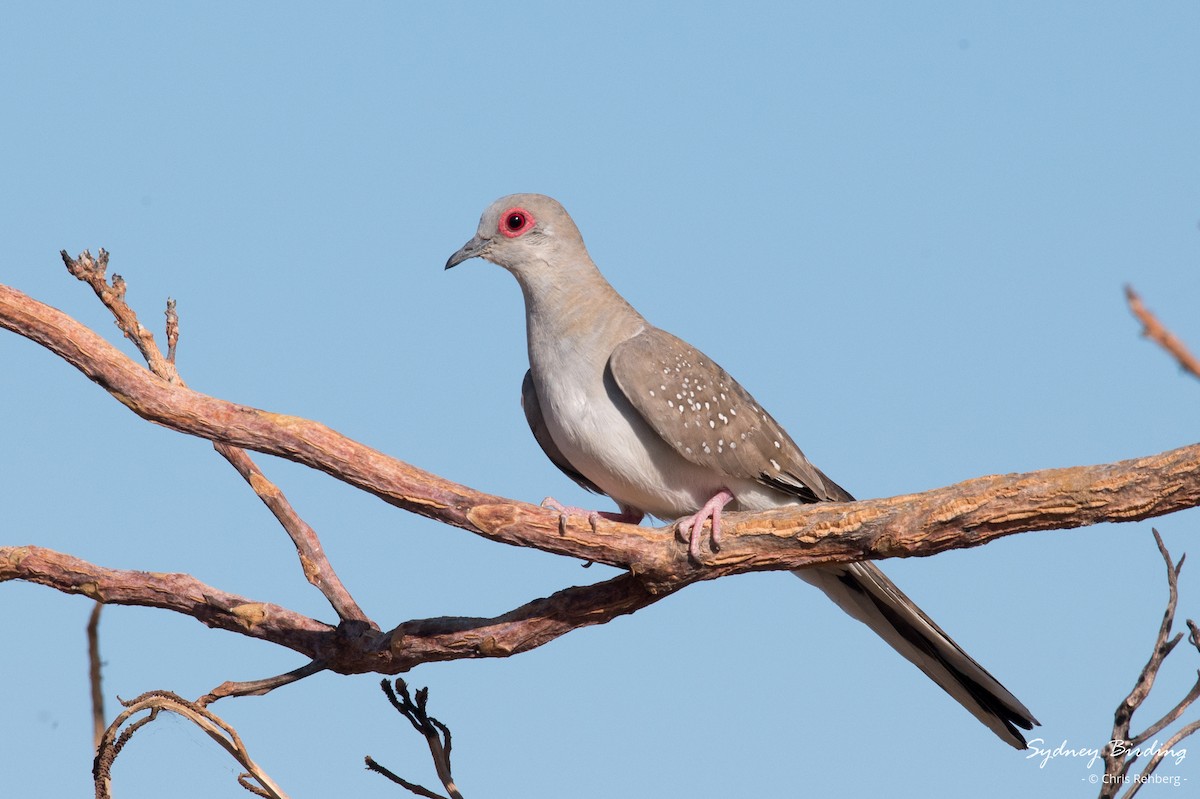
525 233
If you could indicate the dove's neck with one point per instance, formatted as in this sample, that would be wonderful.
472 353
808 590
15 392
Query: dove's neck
574 318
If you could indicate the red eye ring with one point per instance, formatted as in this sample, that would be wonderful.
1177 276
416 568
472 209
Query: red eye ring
515 222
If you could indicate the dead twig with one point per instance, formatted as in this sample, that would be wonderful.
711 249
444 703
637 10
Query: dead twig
1156 332
95 674
1124 748
117 735
92 271
437 737
172 330
260 687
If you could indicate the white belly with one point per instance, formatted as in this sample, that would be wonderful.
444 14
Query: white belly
608 442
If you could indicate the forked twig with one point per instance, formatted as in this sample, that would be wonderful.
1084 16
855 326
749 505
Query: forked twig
437 736
114 739
1124 748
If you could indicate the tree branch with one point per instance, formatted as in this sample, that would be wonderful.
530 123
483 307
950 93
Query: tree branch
967 514
349 648
315 565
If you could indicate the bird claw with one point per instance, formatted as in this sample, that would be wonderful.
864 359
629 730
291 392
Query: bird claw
563 510
626 515
692 527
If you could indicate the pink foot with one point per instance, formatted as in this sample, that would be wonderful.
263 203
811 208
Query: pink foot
692 526
627 515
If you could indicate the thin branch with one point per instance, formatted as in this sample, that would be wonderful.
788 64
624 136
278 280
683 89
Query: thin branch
172 330
95 673
1124 749
1158 333
1170 717
419 790
437 737
115 738
1162 647
317 569
260 687
1159 754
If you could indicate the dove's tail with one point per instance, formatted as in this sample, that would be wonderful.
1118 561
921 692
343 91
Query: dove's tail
864 592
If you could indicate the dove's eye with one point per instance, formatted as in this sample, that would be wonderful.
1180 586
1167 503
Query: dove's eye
515 221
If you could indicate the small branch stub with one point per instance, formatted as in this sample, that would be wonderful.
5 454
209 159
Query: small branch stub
1160 335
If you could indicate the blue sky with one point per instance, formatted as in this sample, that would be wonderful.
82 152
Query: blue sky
905 229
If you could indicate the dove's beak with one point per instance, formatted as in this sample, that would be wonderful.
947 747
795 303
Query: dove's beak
472 249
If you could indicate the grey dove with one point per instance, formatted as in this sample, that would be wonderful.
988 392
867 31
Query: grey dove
631 411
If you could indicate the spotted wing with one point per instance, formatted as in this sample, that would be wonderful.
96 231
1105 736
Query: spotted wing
537 424
697 408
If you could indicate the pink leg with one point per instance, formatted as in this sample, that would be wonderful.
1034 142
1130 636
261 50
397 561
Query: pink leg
627 515
692 526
